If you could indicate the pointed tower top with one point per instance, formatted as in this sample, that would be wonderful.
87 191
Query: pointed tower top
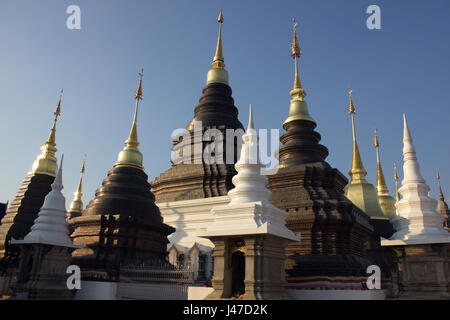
250 119
376 142
46 162
387 203
218 61
218 74
76 207
441 195
298 109
138 94
357 172
406 132
297 92
418 221
130 155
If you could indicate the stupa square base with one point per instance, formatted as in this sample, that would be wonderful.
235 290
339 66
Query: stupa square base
264 267
424 271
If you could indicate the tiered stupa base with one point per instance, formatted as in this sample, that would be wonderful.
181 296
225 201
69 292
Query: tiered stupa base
333 231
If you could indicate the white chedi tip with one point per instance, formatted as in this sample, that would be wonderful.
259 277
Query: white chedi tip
249 211
417 219
250 184
51 227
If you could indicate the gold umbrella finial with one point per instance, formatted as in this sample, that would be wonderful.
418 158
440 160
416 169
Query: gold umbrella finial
351 107
357 172
376 143
76 206
46 162
57 112
297 92
295 49
130 155
138 94
218 61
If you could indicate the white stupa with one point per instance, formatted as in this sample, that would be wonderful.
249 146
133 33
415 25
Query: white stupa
417 221
249 212
51 227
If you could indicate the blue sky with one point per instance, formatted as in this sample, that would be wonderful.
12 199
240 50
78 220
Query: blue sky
404 67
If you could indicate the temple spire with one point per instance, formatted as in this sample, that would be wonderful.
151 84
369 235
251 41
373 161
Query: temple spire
218 61
357 171
130 155
297 91
218 74
298 109
387 203
381 182
442 206
46 162
438 177
76 207
362 193
417 220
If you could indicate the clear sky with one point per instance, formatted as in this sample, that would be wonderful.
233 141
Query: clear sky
402 68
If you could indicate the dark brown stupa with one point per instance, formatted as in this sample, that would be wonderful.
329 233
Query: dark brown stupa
121 224
333 230
25 207
191 177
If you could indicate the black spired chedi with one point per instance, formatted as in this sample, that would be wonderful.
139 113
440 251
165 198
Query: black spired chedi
121 224
25 207
333 230
192 176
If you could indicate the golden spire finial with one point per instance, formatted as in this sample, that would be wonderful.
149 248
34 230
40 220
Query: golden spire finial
218 61
357 172
397 194
441 195
46 162
138 94
376 143
381 182
76 207
130 155
297 92
351 107
295 49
